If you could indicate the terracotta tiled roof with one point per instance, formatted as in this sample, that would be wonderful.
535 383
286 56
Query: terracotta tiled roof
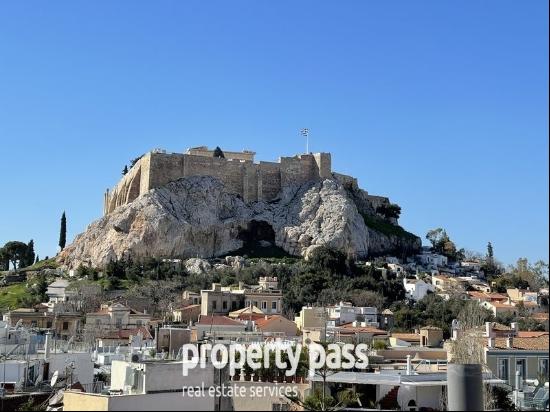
530 304
540 316
502 305
430 327
262 322
501 327
528 334
188 307
218 321
407 337
362 329
497 296
530 343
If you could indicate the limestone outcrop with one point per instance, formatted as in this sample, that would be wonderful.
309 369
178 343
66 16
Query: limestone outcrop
197 217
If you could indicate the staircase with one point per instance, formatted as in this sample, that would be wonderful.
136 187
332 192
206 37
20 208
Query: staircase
390 400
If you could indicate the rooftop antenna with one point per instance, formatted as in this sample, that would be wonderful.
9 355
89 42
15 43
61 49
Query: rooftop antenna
305 133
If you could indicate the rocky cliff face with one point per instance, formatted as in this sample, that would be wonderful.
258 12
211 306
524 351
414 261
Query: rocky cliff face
195 216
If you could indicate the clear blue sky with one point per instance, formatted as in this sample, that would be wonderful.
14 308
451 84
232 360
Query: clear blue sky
442 106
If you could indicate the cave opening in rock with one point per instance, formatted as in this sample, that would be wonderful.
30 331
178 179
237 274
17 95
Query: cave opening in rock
258 239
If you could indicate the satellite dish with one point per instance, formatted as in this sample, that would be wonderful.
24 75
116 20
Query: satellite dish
55 376
135 357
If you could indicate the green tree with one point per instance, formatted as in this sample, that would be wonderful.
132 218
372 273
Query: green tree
441 243
41 288
29 256
389 210
134 161
218 153
4 259
490 252
16 253
63 232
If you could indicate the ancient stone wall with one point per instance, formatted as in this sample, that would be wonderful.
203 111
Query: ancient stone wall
252 181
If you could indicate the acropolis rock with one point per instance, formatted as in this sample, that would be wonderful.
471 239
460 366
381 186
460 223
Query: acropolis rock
206 213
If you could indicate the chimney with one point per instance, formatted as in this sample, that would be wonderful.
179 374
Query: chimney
455 334
509 342
47 345
491 342
515 328
489 330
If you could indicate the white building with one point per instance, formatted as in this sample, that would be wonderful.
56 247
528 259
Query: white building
154 385
416 289
432 259
345 312
57 291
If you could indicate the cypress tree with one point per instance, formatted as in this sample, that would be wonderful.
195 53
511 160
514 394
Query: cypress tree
29 259
37 259
63 232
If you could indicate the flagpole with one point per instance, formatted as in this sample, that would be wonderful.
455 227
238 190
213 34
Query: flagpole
305 133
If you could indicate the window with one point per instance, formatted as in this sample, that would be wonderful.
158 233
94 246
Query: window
224 305
214 305
118 323
521 366
234 305
543 367
503 369
49 324
139 323
65 325
274 306
264 305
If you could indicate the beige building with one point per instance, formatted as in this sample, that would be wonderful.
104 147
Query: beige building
269 301
221 300
190 298
63 324
116 316
500 308
521 295
431 336
224 300
526 353
188 314
311 317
